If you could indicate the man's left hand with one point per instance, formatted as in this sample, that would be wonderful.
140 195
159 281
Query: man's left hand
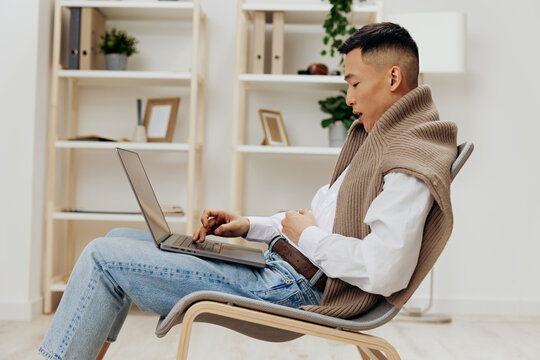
295 222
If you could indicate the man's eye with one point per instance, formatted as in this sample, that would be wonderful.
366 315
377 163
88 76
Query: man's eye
354 85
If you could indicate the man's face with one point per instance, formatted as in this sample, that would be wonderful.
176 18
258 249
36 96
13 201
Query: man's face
369 89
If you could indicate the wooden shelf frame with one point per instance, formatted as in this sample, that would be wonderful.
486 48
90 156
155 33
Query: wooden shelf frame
109 145
128 77
296 14
142 11
311 14
67 215
121 10
290 82
288 150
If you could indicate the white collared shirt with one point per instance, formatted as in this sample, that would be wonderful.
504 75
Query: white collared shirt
384 261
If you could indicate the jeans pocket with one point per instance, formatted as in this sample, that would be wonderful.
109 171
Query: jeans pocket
288 296
294 300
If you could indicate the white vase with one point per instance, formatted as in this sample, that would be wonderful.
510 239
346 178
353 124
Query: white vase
337 133
140 134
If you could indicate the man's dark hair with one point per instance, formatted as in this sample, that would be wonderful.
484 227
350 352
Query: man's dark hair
386 40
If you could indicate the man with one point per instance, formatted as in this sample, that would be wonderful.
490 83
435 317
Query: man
375 230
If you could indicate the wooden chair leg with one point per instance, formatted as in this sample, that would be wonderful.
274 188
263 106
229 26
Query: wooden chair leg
363 353
185 335
376 354
373 354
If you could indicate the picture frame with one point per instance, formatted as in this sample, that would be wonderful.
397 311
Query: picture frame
160 118
275 133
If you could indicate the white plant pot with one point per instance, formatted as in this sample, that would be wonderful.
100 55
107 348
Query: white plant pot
337 133
115 61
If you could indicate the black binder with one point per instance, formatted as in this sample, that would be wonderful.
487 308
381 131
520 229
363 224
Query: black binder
74 37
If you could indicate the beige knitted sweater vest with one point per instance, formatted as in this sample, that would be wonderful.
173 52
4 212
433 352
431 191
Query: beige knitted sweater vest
408 138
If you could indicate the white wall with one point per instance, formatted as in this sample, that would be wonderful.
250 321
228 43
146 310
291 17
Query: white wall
24 74
490 264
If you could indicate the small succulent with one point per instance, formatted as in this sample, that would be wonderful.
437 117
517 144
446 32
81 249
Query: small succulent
118 42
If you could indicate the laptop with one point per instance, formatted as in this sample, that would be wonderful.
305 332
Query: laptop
164 239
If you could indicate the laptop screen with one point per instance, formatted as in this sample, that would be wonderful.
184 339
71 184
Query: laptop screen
144 194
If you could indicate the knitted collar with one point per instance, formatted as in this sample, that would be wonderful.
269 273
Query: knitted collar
417 100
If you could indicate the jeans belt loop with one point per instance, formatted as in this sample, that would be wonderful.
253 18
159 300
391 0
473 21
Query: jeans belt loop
273 241
316 278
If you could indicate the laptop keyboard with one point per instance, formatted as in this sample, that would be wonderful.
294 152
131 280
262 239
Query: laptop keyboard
182 241
207 245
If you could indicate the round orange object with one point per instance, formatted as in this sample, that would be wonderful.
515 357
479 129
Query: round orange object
318 69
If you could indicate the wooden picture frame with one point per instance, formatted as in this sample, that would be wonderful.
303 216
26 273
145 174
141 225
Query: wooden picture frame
274 128
160 118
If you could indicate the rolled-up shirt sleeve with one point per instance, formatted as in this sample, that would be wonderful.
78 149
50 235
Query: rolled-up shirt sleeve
384 261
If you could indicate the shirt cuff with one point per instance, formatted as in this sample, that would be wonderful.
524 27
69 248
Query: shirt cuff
260 229
310 239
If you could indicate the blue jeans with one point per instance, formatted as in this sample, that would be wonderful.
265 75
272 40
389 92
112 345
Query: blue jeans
125 267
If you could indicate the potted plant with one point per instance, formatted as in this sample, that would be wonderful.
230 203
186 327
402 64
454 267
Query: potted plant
337 26
117 45
340 120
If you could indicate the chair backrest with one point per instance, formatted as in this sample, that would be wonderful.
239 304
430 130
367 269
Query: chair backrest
463 152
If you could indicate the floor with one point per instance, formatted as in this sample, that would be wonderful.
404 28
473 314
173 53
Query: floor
471 337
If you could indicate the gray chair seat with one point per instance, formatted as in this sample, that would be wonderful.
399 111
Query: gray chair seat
379 314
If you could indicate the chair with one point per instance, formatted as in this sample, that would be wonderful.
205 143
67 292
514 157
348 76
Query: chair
277 323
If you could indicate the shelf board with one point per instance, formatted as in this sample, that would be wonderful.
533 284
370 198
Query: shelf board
138 10
59 286
109 145
289 150
128 77
66 215
289 81
311 13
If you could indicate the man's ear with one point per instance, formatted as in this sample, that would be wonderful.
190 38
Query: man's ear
395 78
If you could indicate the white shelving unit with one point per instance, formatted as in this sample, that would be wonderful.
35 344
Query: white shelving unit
139 10
111 145
287 150
277 82
66 123
65 215
307 14
104 77
295 14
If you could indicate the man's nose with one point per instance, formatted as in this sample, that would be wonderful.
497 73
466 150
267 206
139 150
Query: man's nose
349 99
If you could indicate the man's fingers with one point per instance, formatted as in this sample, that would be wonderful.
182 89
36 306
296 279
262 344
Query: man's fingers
207 214
224 229
204 217
196 233
211 214
290 213
202 235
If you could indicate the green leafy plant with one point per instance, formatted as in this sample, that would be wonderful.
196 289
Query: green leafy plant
337 26
118 42
338 109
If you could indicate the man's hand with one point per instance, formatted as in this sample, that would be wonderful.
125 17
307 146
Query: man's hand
221 222
295 223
